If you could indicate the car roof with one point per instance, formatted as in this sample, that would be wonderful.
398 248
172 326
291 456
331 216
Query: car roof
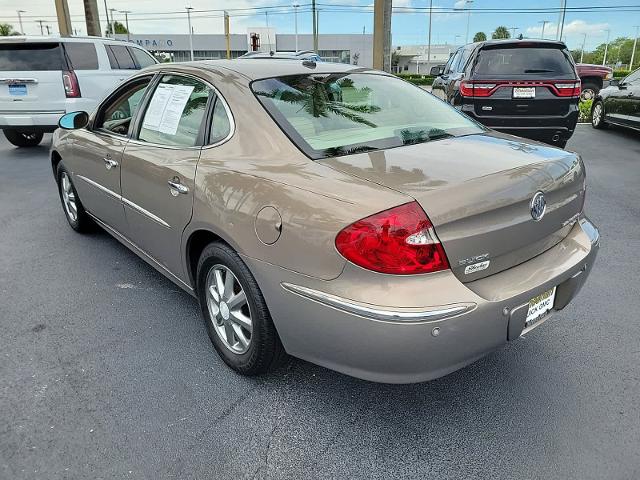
254 69
58 39
518 41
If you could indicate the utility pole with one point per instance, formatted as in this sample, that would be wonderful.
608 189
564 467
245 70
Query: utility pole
126 23
20 12
633 52
113 21
190 31
544 24
584 40
106 13
64 20
227 35
606 47
467 2
382 35
429 35
41 30
92 18
295 14
315 26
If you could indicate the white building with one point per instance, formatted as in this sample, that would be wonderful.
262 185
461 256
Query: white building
355 49
414 59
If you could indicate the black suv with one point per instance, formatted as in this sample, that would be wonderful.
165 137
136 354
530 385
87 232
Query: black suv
527 87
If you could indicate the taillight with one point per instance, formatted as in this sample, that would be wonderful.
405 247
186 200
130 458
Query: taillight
70 82
571 89
471 89
400 240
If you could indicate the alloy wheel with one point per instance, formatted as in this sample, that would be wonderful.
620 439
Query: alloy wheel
68 197
597 115
228 308
587 94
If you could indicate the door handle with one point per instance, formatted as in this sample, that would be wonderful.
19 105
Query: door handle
109 163
177 187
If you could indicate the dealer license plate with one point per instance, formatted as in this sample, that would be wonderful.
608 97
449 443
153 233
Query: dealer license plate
18 90
524 92
539 306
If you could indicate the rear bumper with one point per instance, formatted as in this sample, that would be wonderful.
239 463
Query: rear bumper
362 338
539 127
30 121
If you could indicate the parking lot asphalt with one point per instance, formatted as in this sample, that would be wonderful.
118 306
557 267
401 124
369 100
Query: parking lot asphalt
107 371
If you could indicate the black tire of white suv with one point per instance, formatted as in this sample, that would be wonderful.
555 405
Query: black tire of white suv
23 139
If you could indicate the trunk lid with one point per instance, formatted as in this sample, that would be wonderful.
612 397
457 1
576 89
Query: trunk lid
477 191
31 77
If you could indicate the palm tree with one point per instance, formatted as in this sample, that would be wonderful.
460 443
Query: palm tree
501 32
315 98
480 37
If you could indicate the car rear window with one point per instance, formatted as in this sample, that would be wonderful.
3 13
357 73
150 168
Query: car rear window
328 115
82 56
523 61
31 57
120 58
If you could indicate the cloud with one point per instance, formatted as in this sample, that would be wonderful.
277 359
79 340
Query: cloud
460 4
572 28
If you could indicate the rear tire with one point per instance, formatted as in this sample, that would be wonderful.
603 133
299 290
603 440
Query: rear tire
222 278
589 91
597 115
71 205
23 139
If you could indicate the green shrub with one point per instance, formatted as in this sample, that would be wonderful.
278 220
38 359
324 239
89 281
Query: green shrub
620 73
585 111
416 79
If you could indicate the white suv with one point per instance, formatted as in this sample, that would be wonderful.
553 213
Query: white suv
42 78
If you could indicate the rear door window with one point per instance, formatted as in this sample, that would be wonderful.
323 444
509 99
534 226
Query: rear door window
31 57
120 58
450 67
523 61
82 56
175 112
141 57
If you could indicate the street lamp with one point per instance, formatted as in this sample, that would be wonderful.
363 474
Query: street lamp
190 31
513 31
113 22
20 12
584 40
126 22
544 24
606 47
468 2
295 14
633 52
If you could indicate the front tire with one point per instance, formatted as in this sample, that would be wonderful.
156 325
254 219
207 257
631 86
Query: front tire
23 139
235 313
71 205
597 115
589 91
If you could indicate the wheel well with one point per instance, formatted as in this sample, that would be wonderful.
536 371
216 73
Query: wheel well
595 80
55 160
195 244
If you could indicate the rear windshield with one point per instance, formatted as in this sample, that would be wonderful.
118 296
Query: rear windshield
523 61
338 114
30 56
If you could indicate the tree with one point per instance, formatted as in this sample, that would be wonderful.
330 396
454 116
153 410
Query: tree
7 30
480 37
501 32
119 28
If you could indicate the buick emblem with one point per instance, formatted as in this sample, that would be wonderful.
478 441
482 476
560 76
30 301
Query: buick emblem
538 206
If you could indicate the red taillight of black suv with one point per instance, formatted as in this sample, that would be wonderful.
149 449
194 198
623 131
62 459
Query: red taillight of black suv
560 88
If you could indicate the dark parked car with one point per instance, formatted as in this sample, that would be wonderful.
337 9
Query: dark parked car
528 88
618 104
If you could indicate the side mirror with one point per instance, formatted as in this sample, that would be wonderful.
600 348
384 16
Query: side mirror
74 120
436 71
614 83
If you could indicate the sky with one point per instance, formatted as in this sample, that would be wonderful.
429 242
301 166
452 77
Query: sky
409 23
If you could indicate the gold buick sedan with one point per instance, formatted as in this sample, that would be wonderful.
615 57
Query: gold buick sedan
331 212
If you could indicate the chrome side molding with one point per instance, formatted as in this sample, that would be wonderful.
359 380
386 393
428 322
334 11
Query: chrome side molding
376 313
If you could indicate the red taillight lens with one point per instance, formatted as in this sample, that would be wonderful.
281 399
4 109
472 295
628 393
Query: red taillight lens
470 89
70 82
399 241
571 89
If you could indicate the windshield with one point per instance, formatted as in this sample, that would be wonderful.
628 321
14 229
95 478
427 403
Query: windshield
328 115
523 61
